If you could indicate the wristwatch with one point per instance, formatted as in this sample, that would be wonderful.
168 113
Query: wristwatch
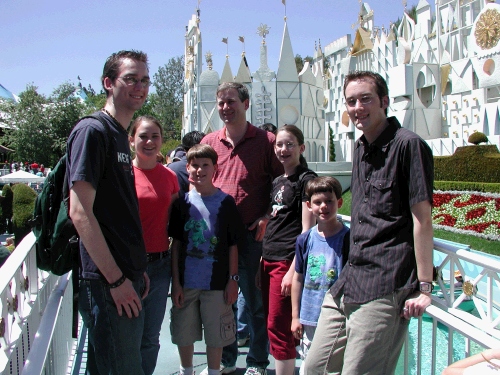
426 287
234 277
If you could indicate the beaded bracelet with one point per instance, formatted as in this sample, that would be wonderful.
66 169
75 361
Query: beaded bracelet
118 282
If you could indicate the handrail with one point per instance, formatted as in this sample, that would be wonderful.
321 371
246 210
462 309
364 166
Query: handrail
28 294
35 363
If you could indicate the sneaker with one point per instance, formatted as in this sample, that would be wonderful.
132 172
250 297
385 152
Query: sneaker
255 371
223 370
243 341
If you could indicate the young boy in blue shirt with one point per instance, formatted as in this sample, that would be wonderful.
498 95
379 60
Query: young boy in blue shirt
205 226
320 254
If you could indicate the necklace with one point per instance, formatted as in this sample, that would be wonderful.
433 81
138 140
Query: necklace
110 115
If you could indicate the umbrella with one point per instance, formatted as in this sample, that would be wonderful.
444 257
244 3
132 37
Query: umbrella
21 176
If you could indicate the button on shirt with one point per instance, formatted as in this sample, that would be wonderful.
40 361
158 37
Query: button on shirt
389 176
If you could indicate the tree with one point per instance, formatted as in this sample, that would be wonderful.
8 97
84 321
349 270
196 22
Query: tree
65 110
300 62
29 120
331 144
169 85
40 126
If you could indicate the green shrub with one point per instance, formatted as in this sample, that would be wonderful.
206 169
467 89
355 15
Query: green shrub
469 163
22 207
483 187
477 138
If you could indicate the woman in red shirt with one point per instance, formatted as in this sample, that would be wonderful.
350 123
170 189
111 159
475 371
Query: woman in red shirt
156 188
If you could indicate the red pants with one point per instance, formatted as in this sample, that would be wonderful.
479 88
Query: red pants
278 310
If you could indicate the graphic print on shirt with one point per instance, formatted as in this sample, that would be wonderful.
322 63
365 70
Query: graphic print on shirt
317 272
278 198
195 229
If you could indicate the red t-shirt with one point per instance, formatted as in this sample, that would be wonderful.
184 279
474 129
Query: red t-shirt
154 189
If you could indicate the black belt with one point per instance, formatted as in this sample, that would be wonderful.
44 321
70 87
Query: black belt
156 256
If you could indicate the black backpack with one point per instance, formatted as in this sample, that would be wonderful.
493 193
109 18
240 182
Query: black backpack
56 236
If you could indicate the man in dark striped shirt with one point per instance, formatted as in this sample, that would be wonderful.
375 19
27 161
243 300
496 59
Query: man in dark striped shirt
388 277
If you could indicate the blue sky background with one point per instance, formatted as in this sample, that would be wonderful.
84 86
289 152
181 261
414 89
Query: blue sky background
53 41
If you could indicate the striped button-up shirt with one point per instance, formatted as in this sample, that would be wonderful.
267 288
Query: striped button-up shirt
389 176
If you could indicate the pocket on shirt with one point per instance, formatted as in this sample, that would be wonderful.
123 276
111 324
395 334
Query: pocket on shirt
381 201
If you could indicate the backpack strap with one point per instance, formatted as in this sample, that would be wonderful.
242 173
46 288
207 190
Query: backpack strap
96 116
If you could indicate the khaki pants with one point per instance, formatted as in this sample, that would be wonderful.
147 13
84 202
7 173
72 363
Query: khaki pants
354 339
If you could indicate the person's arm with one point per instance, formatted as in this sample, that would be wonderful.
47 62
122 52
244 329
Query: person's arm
231 291
458 367
423 244
297 284
177 292
82 197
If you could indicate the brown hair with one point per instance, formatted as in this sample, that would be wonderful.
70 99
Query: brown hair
297 133
139 120
241 88
324 184
113 63
201 151
380 83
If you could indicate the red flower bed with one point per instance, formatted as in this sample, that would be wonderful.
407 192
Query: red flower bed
472 213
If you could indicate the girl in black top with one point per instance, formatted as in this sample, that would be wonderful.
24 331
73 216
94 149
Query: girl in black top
288 217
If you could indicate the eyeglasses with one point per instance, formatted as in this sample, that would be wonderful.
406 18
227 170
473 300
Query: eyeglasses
288 145
132 81
364 100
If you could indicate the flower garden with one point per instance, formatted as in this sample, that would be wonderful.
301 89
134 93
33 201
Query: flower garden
471 213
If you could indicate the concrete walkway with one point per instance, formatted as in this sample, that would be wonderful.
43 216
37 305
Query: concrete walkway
168 359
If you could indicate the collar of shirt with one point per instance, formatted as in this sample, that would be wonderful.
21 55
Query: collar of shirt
250 133
382 142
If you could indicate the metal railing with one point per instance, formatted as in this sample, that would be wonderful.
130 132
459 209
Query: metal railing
35 322
36 316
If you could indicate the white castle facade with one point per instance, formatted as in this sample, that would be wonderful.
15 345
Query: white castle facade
442 77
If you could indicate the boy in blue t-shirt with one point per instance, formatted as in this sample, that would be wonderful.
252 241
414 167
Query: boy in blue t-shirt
320 254
205 226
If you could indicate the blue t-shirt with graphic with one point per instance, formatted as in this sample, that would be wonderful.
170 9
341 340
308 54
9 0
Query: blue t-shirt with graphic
207 227
320 260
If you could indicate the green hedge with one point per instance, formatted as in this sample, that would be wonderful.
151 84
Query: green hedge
23 206
484 187
479 163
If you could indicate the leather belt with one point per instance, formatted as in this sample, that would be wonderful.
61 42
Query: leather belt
156 256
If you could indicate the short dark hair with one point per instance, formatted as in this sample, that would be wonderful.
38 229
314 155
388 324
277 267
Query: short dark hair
240 87
113 63
192 138
380 83
202 151
268 127
324 184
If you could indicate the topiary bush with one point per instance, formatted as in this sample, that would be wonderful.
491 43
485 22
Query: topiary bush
22 207
477 138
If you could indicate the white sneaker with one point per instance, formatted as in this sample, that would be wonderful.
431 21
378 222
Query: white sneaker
223 370
255 371
243 341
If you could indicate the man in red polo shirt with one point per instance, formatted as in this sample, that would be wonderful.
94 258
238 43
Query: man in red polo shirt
247 166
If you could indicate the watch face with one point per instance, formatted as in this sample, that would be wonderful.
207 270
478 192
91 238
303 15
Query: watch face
235 277
426 287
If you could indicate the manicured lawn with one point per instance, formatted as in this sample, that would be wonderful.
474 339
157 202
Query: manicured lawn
476 243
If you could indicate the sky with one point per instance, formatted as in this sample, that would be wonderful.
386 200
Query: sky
47 43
